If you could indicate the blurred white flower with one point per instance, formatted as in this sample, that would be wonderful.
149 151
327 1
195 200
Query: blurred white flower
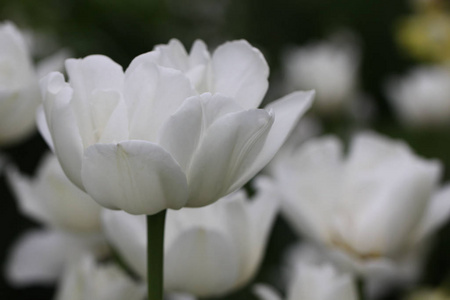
371 211
51 199
72 221
310 280
422 98
209 251
161 144
19 90
330 68
87 279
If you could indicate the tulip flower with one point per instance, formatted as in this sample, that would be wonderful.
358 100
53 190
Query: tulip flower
161 140
311 280
422 98
371 210
209 251
19 88
175 130
71 219
88 279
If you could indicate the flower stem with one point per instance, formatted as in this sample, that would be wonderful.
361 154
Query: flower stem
155 255
360 284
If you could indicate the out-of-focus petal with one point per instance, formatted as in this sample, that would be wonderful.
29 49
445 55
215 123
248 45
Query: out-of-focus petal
38 257
202 262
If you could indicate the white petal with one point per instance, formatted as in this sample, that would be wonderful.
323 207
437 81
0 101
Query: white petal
152 94
227 144
94 72
437 213
38 257
201 262
287 112
25 194
309 182
43 127
184 130
262 211
240 71
63 125
136 176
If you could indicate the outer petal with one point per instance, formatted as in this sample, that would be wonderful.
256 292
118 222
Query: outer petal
240 71
201 262
153 93
43 127
227 144
136 176
287 111
62 124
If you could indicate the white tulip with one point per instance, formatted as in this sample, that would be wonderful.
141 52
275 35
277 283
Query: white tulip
370 211
422 98
310 280
19 88
89 280
209 251
72 219
145 140
329 67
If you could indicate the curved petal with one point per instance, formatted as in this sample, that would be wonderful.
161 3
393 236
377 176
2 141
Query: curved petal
287 112
201 262
43 127
241 72
62 125
94 72
228 143
184 130
152 94
136 176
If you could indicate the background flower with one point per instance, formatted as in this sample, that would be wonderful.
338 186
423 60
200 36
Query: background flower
371 210
209 251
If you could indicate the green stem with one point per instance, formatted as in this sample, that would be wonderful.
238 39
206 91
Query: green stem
360 286
155 255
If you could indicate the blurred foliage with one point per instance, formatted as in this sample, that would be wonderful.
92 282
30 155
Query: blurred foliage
124 29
